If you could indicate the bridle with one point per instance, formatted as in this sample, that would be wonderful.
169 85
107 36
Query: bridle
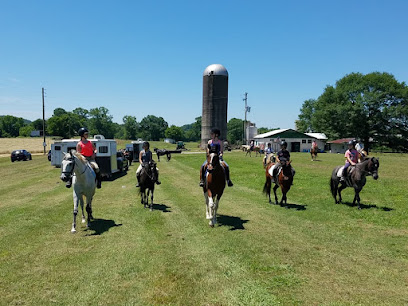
150 166
71 172
371 169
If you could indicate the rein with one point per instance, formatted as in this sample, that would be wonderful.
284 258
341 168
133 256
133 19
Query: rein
71 173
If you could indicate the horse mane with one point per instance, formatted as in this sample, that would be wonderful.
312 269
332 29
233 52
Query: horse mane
79 156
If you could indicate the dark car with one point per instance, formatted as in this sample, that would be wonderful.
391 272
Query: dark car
20 155
49 155
123 164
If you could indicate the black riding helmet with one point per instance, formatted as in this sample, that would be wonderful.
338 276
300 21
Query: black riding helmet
216 132
284 143
146 144
352 142
82 131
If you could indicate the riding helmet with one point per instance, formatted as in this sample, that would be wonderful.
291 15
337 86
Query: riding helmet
284 143
146 144
216 132
352 142
82 131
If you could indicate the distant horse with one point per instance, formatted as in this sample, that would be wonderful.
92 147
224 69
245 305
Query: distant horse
148 178
83 181
282 178
356 178
161 153
270 158
213 187
313 153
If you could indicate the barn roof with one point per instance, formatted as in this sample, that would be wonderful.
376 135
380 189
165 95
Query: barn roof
341 141
282 133
319 136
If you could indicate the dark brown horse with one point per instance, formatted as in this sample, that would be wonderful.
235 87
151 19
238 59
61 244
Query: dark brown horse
356 178
148 178
213 187
282 179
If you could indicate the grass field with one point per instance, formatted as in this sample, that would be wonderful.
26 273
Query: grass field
313 252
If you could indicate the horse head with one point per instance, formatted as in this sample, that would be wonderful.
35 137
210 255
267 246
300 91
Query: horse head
67 166
373 165
213 160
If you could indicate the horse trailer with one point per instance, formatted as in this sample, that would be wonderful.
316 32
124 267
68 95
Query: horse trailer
135 147
105 155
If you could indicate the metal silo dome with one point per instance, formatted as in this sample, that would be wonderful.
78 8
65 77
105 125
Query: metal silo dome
215 69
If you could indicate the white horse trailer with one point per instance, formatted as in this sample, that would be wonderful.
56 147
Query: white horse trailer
135 147
57 149
105 155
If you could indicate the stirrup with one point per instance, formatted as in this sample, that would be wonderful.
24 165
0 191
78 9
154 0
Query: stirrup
229 183
201 184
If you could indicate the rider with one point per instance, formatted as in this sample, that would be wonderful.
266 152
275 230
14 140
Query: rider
88 150
268 151
351 157
217 146
145 156
314 144
284 156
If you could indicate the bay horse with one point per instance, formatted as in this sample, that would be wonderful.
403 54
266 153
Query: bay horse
84 183
282 178
313 152
148 178
356 178
214 186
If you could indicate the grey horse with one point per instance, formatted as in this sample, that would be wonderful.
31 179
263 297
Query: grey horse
356 178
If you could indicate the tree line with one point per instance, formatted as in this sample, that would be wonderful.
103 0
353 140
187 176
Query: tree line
65 124
371 107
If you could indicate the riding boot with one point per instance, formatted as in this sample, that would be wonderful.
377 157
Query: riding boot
227 176
157 181
202 175
69 183
98 180
344 175
138 180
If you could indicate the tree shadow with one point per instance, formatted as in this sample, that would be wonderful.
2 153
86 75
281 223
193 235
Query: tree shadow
163 207
364 206
101 225
236 223
293 206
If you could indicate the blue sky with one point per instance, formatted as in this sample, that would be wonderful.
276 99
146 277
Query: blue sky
147 57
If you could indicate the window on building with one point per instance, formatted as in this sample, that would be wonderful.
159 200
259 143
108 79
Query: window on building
303 140
57 148
309 141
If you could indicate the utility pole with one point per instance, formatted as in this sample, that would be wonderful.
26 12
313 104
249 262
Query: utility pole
245 121
44 143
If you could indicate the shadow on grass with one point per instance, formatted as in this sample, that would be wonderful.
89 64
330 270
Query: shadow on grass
101 225
236 223
163 207
364 206
114 176
294 206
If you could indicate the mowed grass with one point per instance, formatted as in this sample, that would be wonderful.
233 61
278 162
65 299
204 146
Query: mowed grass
31 144
313 252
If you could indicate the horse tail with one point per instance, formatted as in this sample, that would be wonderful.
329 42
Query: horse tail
267 187
333 185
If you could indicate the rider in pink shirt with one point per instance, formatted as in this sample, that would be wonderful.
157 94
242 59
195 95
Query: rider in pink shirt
351 156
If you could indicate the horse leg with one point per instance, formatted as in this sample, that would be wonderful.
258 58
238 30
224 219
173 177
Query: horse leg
274 191
76 200
339 192
81 202
211 211
151 204
207 208
89 211
215 210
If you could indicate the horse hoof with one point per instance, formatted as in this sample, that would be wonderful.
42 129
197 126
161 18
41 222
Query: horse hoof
211 225
88 225
83 220
151 208
73 231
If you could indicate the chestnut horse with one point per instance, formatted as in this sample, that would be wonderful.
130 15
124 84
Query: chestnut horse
313 152
282 179
213 187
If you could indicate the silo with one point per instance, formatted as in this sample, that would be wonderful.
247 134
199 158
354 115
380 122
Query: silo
215 102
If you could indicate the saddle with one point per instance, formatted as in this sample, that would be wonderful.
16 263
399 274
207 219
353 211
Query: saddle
350 170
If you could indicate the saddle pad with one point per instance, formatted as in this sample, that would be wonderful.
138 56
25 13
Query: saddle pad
340 172
270 171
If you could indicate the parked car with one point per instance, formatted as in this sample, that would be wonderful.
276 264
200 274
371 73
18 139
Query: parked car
49 155
123 163
20 155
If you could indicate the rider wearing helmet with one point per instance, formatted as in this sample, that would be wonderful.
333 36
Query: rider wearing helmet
215 145
283 156
145 156
351 157
88 150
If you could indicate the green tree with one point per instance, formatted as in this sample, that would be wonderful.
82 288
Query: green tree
174 132
304 124
10 126
59 111
25 131
363 106
131 127
100 122
235 130
152 127
192 131
65 125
